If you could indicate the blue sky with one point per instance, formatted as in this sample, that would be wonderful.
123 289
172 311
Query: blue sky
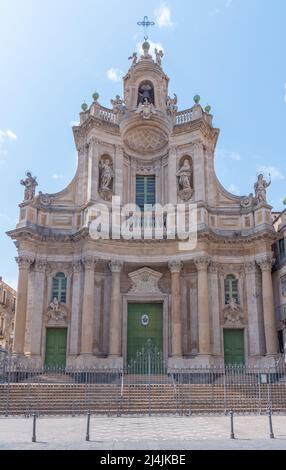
55 53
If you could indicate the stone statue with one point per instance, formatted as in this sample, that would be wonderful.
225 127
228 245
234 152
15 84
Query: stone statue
134 58
260 188
184 175
146 109
30 184
185 190
172 107
159 57
106 175
55 305
232 312
118 105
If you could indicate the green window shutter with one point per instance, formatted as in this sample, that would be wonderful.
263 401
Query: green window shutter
145 190
60 287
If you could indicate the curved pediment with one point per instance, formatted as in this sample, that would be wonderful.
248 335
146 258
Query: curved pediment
145 280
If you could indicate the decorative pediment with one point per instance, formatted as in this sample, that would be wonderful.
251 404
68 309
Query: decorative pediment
145 280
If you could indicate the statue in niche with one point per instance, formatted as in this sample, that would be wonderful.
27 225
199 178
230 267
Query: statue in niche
260 188
172 107
30 184
106 176
118 105
159 56
184 175
134 58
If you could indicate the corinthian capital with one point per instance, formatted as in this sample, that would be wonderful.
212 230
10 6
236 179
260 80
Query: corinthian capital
265 262
249 267
24 262
77 266
175 266
115 266
41 265
88 262
202 263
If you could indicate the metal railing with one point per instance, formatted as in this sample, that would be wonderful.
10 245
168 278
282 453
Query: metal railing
146 386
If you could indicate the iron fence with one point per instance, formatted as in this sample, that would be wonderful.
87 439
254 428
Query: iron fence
145 386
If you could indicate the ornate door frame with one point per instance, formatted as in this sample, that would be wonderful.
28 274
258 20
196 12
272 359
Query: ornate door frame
142 299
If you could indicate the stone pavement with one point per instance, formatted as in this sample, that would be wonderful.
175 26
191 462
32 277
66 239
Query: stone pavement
143 433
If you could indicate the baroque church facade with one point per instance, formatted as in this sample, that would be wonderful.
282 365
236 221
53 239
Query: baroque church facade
95 301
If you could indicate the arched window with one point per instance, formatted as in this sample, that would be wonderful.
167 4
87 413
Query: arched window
231 288
60 287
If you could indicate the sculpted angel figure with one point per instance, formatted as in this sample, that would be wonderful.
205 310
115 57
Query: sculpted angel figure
260 188
106 175
159 57
172 107
30 184
118 105
134 58
55 304
184 175
146 109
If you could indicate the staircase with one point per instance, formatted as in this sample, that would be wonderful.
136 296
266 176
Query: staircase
139 395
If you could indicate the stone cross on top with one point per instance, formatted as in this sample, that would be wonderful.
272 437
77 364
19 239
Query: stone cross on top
146 23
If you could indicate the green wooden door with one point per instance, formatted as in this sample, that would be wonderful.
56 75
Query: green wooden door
234 346
145 322
56 347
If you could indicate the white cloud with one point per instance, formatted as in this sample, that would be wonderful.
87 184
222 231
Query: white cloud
5 136
153 46
115 75
226 154
56 176
164 16
272 170
234 189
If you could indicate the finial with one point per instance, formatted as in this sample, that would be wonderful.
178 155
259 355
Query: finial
84 107
208 109
197 99
95 96
146 23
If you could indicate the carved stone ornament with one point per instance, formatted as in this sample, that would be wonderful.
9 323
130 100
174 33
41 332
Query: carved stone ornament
232 312
44 199
145 140
247 201
145 280
57 312
146 109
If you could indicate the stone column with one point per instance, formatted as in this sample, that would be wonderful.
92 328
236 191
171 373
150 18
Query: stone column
35 309
115 310
175 268
215 310
252 309
172 179
265 264
88 307
75 309
24 263
203 305
118 179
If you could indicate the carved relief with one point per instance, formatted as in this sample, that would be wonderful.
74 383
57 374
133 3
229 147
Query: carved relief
106 176
185 179
145 140
232 312
146 109
145 280
57 312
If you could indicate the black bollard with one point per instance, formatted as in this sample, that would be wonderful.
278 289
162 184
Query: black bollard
34 428
271 435
231 426
87 426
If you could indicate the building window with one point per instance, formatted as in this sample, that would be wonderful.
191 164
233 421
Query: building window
146 93
60 287
281 245
4 297
231 288
145 190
